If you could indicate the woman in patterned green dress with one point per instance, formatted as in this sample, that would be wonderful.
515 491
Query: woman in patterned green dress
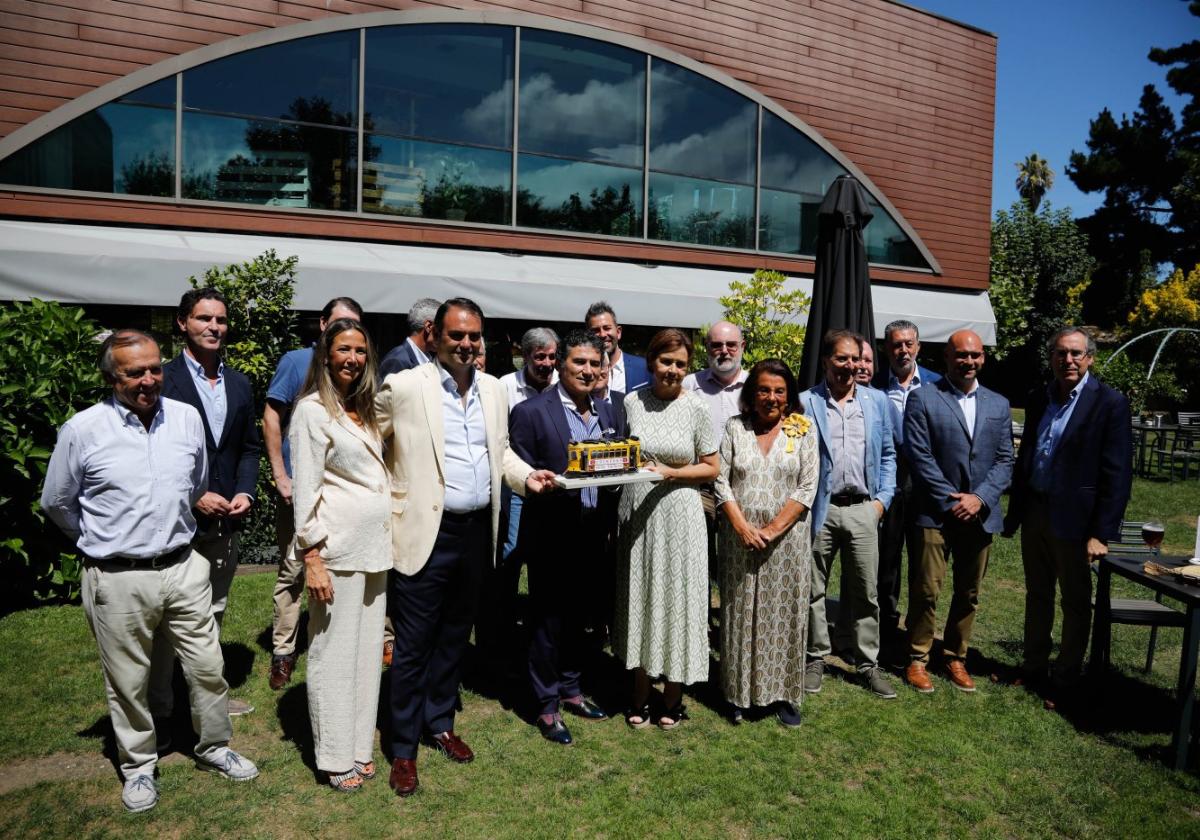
661 616
769 467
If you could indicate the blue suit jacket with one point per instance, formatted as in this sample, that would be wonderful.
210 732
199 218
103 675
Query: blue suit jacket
881 380
401 357
539 434
1092 471
880 460
232 460
636 373
944 459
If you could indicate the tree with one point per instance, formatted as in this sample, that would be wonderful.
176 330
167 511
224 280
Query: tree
1148 168
1039 270
1034 179
1173 303
772 319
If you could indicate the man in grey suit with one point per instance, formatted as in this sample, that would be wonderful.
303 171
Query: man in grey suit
958 441
420 346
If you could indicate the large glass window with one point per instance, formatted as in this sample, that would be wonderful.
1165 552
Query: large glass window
887 243
405 177
796 174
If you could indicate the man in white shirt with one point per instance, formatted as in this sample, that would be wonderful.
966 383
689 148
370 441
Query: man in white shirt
539 348
627 373
720 384
122 483
419 347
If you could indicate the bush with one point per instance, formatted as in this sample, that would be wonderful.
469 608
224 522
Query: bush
772 320
1128 376
47 373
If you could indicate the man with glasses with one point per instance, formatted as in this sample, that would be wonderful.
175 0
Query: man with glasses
720 384
1072 481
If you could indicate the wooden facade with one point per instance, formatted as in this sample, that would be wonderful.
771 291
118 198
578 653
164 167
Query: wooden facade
907 96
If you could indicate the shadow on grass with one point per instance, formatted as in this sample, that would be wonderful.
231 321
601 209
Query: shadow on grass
292 712
239 662
102 731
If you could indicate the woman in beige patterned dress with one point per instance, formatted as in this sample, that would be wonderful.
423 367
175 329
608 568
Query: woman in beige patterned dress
661 616
768 477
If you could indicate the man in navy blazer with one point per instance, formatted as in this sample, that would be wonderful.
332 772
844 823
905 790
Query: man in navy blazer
1073 480
855 487
898 378
562 534
958 443
225 400
419 347
626 373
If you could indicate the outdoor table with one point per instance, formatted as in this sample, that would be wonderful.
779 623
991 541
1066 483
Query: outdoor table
1145 443
1133 569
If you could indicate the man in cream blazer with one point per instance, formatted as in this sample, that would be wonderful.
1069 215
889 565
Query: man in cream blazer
446 426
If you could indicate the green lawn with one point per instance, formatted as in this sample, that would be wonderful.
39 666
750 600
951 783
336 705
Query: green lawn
995 764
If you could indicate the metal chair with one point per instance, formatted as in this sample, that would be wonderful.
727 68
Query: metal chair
1183 450
1188 418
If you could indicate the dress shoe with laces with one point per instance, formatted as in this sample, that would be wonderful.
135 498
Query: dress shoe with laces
281 670
453 747
916 676
875 682
956 671
814 675
554 730
403 779
584 708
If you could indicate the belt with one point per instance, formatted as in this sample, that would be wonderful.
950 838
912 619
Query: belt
470 516
159 562
847 499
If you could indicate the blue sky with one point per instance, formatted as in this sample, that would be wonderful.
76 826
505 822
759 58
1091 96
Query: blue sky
1059 63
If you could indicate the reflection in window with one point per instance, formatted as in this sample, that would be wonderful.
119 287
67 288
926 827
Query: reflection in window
796 174
437 181
266 82
887 243
441 82
578 196
702 212
268 162
699 127
161 92
582 99
114 149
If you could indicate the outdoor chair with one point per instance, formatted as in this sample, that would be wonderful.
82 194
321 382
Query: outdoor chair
1188 418
1183 450
1140 611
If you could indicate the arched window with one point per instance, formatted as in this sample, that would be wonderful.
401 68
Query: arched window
467 122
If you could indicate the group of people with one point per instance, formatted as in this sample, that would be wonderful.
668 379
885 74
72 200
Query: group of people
413 487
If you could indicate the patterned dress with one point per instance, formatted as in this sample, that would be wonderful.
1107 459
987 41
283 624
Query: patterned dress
661 616
764 594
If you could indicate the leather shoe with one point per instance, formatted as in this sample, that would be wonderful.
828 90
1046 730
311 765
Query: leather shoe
281 670
555 730
453 747
388 647
403 778
916 676
959 678
585 708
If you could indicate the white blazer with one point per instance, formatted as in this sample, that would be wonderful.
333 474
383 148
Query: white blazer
409 408
340 490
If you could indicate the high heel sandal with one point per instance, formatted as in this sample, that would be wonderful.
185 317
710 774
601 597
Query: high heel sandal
672 717
642 715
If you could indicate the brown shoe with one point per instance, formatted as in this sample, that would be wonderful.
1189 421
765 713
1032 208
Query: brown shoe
453 747
403 778
916 676
388 647
281 670
956 671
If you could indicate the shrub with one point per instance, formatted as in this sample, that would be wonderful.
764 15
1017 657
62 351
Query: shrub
772 320
1128 376
47 373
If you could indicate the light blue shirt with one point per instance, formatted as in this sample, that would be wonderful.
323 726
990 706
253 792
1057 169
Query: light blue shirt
898 397
582 430
468 473
1049 433
119 490
847 445
211 397
967 403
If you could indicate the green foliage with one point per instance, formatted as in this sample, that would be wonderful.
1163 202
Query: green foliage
47 373
1128 375
772 319
1034 178
262 327
1039 268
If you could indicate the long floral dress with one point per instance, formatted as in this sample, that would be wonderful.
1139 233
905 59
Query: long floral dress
764 594
661 616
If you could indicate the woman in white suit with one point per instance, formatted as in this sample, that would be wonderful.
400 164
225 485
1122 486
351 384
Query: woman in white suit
342 506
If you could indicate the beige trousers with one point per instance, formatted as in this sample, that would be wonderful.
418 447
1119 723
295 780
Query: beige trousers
343 669
968 547
852 532
125 608
220 549
1051 562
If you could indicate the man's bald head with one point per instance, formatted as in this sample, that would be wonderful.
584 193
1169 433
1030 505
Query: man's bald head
964 359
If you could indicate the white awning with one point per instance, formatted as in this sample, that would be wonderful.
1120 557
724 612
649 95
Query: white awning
113 265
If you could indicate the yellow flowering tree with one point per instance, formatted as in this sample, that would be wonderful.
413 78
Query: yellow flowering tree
1174 303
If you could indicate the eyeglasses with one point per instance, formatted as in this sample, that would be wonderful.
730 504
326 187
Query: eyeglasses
728 345
1071 354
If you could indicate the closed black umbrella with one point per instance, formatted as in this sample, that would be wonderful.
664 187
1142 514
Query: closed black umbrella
841 296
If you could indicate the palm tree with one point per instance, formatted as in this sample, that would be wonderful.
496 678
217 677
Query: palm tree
1034 178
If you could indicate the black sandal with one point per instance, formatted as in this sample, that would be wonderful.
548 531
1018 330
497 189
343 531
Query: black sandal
643 713
672 717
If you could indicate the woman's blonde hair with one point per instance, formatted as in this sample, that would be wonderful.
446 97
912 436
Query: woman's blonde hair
361 398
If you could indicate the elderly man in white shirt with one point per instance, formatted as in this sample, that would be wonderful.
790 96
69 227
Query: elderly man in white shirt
720 384
122 483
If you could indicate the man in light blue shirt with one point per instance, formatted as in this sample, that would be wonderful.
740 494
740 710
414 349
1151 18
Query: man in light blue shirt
121 484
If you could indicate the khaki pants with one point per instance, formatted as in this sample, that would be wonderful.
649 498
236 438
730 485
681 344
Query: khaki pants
125 608
220 548
969 546
852 531
1050 561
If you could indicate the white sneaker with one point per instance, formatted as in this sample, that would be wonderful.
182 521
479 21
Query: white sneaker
140 794
229 764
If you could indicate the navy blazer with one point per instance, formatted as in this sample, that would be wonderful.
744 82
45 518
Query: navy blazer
883 379
232 460
539 434
944 459
401 357
1091 475
636 373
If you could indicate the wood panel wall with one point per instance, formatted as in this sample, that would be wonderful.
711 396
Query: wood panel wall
906 95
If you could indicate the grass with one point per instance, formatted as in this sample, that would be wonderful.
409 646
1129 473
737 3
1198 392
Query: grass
995 764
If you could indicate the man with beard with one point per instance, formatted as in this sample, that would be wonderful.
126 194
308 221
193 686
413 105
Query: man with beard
720 384
626 372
